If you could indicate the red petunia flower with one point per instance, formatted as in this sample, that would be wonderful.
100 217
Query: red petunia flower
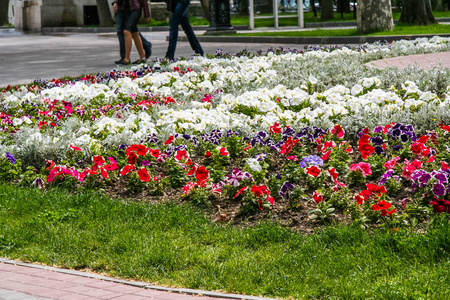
313 171
181 155
381 205
143 175
375 189
98 160
275 128
240 191
317 197
127 169
154 152
113 166
75 148
389 213
169 140
417 147
338 131
326 155
201 173
139 149
132 157
223 151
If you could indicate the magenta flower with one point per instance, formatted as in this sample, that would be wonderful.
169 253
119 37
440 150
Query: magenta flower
364 167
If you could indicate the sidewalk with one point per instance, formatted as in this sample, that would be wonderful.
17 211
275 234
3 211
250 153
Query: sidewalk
423 61
21 281
26 57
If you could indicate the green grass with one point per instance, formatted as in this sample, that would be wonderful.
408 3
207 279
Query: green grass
308 18
398 30
178 246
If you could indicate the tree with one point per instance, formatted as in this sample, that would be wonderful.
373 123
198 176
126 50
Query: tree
4 5
327 10
374 15
417 12
104 14
243 7
205 7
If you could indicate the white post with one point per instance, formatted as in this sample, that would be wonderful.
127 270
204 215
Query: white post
251 14
300 13
275 13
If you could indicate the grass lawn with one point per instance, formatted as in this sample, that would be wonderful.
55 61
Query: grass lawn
398 30
179 246
308 18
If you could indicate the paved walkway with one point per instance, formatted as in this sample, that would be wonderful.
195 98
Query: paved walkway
21 281
424 61
26 57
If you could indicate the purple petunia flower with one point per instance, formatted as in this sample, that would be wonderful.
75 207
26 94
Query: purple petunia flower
38 182
11 158
378 129
261 156
288 132
425 178
311 160
285 189
441 177
386 176
231 133
145 163
438 189
262 134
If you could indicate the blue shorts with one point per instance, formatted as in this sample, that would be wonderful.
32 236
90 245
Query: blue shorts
131 20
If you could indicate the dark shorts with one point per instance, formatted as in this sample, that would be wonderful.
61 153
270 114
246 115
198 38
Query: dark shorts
131 20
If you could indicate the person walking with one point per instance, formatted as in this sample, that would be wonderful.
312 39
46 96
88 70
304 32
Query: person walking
132 10
180 17
120 23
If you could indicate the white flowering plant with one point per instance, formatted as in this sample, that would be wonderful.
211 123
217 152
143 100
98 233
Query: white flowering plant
303 123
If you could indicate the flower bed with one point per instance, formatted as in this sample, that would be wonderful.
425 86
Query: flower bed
284 134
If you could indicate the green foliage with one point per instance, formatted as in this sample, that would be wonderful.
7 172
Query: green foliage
324 212
9 171
199 197
177 176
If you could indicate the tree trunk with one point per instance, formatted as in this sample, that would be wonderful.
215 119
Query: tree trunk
243 5
104 14
205 7
374 15
417 12
4 5
327 10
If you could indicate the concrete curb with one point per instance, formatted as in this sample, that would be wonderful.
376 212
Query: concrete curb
307 40
337 40
49 30
139 284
